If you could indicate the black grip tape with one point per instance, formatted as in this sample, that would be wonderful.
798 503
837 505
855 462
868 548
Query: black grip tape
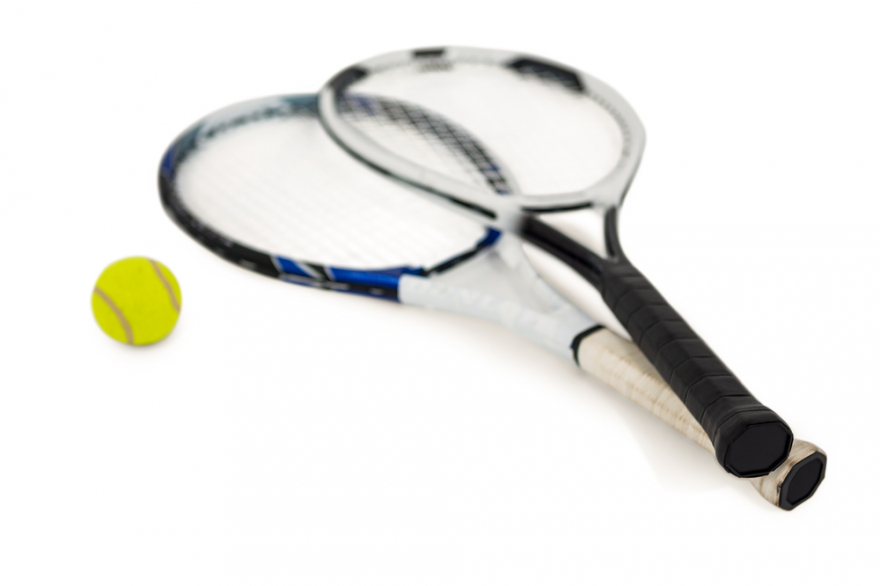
750 440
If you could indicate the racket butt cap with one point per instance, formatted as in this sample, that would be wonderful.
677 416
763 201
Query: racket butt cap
802 481
749 449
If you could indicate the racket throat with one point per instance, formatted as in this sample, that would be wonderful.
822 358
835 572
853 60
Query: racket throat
499 285
581 259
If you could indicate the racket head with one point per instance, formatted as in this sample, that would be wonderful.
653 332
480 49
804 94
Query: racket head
572 140
260 184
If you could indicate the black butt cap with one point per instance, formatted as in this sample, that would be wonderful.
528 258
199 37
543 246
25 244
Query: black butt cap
803 480
758 450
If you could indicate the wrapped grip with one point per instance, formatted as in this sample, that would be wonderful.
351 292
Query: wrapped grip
749 439
623 367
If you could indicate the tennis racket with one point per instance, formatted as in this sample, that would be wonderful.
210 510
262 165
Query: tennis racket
261 185
574 145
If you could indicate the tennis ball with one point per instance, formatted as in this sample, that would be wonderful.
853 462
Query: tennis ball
136 301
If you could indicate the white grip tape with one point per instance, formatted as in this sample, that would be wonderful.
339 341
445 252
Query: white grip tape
622 366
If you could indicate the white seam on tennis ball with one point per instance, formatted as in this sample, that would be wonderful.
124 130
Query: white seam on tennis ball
129 335
174 302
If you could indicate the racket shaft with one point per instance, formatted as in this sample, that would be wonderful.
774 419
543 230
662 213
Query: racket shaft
621 365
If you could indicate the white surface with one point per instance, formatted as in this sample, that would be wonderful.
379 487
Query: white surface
245 450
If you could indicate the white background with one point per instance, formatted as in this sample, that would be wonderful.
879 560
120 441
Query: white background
284 435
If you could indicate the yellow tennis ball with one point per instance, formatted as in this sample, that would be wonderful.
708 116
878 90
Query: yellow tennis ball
136 301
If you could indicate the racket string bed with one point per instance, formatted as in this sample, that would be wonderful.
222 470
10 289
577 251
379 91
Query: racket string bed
304 199
545 135
441 145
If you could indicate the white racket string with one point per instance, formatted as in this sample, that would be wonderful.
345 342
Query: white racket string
436 143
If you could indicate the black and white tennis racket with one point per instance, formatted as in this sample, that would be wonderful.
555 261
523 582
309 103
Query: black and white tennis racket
262 185
573 144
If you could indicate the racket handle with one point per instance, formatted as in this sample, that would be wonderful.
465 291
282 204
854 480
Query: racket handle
749 439
619 364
